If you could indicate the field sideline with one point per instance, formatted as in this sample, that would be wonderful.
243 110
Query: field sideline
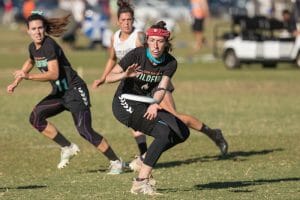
257 109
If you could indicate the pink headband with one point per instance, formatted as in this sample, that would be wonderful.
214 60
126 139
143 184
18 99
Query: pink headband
158 32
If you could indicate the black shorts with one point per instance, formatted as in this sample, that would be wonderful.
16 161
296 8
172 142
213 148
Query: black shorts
131 114
198 25
77 98
74 99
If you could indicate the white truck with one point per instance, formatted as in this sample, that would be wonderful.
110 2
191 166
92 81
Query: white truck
256 42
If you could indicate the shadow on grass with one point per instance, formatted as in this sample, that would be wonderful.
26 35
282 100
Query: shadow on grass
241 191
97 171
27 187
235 156
105 170
235 186
238 184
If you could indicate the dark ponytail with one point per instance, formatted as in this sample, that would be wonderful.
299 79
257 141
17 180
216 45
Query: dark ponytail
53 26
124 7
160 25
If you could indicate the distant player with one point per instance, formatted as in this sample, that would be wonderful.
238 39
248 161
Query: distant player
124 40
69 91
199 12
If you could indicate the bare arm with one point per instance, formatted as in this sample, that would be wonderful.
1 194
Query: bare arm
112 60
118 73
206 8
26 68
161 89
151 112
140 39
50 75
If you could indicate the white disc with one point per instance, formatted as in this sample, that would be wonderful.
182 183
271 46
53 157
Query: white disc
138 98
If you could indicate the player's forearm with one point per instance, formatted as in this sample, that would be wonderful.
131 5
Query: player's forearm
108 68
17 80
48 76
159 95
115 77
27 66
161 89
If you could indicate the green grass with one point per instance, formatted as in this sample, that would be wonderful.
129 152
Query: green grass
258 110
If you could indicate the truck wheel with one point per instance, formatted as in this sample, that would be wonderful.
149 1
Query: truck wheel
230 60
269 65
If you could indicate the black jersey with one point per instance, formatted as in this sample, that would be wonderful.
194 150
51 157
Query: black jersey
151 75
50 50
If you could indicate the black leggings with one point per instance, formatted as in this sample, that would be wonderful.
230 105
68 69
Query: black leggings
51 106
164 139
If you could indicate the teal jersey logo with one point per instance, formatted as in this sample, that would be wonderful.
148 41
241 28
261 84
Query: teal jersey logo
41 63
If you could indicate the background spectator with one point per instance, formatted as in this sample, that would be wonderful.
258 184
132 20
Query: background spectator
77 9
8 16
28 6
199 11
289 23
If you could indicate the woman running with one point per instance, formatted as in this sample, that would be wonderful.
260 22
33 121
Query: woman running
69 91
126 39
147 71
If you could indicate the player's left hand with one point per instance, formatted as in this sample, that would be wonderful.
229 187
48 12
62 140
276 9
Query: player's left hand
97 83
151 112
20 74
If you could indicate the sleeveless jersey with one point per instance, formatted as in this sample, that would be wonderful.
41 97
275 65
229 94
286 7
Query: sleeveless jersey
123 47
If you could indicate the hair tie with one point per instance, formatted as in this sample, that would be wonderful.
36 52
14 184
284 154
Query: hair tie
37 12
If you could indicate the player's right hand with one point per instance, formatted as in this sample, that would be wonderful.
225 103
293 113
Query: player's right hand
133 70
97 83
10 88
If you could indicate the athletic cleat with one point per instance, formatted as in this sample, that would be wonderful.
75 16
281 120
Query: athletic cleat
152 181
66 154
116 167
136 164
221 142
143 187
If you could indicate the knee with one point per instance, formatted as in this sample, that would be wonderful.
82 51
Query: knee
36 121
185 132
137 134
166 138
96 140
90 135
32 118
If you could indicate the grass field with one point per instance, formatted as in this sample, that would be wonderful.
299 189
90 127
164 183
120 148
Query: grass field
257 109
